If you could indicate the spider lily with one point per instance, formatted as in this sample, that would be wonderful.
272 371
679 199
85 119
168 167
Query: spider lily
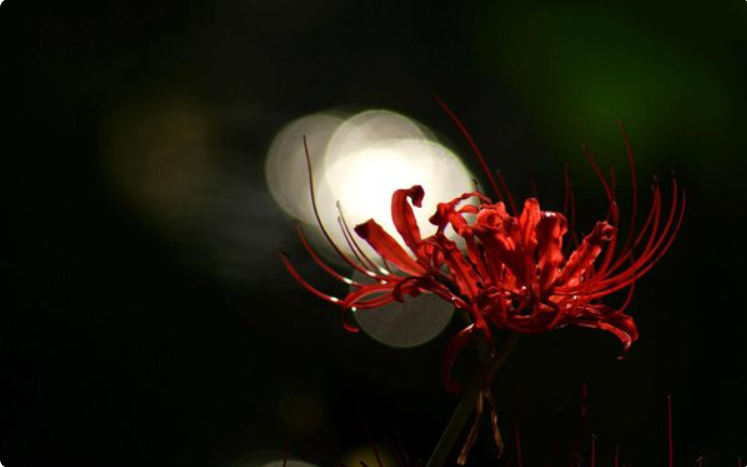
520 271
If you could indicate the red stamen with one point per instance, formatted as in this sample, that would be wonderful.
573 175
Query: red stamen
318 260
590 157
517 440
472 144
633 183
286 260
593 449
669 430
360 256
319 219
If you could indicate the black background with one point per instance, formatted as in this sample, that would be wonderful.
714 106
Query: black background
130 336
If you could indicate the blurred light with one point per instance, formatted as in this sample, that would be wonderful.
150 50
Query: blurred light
300 412
288 463
268 458
369 128
163 163
365 455
361 164
157 157
579 68
411 323
285 168
364 182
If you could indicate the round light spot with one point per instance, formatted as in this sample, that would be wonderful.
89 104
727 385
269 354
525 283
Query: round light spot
289 463
369 128
410 323
359 164
285 168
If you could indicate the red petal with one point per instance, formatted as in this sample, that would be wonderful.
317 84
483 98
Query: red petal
404 218
621 325
583 258
461 271
383 294
452 349
528 221
388 247
550 231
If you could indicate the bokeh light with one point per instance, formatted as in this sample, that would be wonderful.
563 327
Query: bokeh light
369 128
269 458
357 165
285 167
366 455
300 411
410 323
360 164
289 463
600 66
157 156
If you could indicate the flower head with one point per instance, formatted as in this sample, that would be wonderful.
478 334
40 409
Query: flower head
522 271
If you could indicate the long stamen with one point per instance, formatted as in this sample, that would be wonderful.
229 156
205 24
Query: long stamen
638 272
318 260
590 157
653 247
346 230
640 266
623 280
510 198
332 243
472 144
633 183
350 242
669 430
286 260
627 252
612 217
631 290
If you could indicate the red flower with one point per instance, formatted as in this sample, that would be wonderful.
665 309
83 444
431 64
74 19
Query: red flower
516 271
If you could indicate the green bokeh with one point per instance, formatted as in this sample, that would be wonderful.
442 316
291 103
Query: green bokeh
577 70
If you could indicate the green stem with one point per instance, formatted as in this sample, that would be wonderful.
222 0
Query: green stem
455 427
463 411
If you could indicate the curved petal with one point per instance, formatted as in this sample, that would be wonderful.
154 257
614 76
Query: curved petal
452 349
621 325
404 218
462 273
388 248
550 231
583 258
528 221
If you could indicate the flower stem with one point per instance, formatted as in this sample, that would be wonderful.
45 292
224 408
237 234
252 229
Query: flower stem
466 406
455 427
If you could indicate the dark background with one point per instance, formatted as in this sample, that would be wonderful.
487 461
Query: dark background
147 319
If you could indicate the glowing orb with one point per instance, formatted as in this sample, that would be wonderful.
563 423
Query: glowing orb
288 463
358 164
410 323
